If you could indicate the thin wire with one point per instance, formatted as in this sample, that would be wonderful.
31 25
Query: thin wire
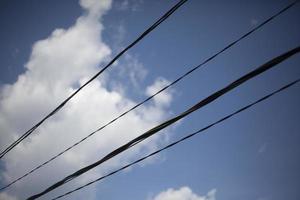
182 139
151 28
150 97
259 70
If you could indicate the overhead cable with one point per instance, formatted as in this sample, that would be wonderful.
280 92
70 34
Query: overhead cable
151 28
268 65
152 96
180 140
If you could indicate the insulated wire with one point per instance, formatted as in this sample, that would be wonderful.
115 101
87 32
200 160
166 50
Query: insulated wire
152 96
181 139
151 28
259 70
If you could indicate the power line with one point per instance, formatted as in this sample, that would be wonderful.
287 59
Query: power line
268 65
151 28
150 97
181 139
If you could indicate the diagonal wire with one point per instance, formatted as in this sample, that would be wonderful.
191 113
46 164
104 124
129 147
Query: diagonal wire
151 28
182 139
150 97
259 70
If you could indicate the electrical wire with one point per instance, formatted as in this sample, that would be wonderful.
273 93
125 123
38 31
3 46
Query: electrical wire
152 96
259 70
151 28
181 139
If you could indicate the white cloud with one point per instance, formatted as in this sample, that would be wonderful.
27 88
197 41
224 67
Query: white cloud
163 98
184 193
118 36
132 69
132 5
96 8
56 67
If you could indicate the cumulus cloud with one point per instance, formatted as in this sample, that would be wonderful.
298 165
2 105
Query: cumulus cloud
184 193
56 67
95 8
165 97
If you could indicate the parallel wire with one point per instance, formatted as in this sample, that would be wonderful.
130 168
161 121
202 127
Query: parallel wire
259 70
150 97
181 139
151 28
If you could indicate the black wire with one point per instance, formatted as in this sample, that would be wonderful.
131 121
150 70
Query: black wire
151 28
268 65
181 140
150 97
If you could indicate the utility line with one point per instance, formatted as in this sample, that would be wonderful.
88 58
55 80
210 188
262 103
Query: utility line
152 96
181 139
151 28
259 70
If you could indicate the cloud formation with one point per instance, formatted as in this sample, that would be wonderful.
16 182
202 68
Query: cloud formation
56 67
164 98
132 5
184 193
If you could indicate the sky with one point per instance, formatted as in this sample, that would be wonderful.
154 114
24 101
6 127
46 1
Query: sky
50 48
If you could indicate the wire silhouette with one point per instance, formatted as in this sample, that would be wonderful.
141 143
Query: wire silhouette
259 70
150 29
152 96
181 139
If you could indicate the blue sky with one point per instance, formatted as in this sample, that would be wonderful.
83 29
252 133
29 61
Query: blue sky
251 156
